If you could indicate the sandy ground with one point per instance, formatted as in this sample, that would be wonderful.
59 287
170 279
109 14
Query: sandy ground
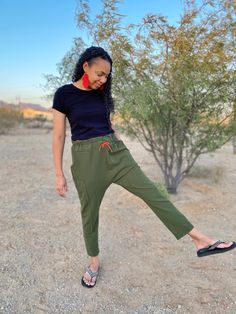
144 269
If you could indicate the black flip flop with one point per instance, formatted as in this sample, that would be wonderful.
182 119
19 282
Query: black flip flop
213 249
91 274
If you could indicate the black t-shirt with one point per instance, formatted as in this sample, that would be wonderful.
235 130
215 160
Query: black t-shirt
85 110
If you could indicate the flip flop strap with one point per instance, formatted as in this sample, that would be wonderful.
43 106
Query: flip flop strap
91 273
213 246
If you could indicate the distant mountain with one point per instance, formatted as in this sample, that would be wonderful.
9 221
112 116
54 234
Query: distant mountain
29 110
4 104
23 105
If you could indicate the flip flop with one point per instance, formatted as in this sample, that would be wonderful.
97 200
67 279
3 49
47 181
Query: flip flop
91 274
213 249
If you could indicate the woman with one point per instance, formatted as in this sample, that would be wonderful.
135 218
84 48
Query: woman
100 157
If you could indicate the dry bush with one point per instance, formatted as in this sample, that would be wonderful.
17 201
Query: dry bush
9 118
214 174
38 122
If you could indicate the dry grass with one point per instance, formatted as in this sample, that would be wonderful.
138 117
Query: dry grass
214 174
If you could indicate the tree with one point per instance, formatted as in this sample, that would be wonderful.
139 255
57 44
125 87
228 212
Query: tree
174 85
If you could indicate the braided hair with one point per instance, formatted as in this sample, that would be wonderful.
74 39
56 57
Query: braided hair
90 55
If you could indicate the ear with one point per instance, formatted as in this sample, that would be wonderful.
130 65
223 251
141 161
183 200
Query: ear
85 66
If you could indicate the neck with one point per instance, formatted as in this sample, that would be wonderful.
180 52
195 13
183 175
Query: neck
80 85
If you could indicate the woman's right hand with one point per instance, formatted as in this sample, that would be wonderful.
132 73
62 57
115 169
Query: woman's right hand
61 185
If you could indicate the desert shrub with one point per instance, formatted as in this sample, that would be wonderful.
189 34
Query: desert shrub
214 174
38 121
9 118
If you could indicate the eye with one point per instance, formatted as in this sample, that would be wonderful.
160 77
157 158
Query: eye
101 74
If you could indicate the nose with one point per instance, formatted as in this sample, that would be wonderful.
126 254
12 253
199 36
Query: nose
103 80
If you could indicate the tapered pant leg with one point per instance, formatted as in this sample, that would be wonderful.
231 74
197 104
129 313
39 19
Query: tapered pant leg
136 182
90 201
89 175
128 174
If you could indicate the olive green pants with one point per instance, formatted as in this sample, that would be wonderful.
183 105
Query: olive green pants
100 161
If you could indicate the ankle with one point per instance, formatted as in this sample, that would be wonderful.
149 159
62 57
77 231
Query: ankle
94 261
197 235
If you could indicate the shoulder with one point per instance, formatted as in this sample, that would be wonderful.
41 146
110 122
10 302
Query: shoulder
63 92
59 99
63 89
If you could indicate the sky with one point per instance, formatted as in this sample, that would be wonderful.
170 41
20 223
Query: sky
35 35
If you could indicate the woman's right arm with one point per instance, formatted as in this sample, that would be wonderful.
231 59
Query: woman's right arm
58 142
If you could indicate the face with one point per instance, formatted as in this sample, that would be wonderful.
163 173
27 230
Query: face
97 72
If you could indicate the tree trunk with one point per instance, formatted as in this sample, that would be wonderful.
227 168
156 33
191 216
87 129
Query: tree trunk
234 138
171 184
172 189
234 145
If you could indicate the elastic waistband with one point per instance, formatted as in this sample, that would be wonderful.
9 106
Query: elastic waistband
108 137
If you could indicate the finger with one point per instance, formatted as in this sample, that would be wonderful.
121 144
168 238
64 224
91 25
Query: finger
60 191
63 191
62 194
65 188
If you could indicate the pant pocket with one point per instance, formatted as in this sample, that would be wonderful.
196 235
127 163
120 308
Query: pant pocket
84 202
118 146
80 186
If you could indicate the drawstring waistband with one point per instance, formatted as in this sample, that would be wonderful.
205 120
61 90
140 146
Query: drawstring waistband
105 143
107 137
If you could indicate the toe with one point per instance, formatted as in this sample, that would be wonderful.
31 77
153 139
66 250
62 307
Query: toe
93 281
87 279
225 244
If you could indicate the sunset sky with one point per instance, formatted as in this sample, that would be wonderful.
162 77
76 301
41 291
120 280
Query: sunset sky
35 35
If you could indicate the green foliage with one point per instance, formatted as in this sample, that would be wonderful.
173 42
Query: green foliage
9 118
162 189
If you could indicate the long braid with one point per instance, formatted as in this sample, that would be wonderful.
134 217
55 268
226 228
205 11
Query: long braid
89 55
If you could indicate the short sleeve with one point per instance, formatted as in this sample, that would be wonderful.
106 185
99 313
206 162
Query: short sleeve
58 101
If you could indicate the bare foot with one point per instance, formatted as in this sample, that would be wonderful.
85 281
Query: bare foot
94 266
201 241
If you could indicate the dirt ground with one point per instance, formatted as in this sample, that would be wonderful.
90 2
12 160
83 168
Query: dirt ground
144 269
